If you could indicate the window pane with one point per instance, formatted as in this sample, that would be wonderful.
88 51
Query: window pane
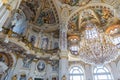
76 73
70 77
102 77
76 77
102 73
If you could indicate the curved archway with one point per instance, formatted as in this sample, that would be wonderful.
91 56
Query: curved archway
6 62
102 73
76 72
92 5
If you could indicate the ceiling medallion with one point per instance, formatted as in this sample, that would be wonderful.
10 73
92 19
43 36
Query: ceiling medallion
41 66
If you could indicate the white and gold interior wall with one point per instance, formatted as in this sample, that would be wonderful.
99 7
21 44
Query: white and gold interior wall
41 40
6 7
19 70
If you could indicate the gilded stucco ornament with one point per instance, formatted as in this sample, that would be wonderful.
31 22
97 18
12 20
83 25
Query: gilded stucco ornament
75 2
5 1
65 12
8 7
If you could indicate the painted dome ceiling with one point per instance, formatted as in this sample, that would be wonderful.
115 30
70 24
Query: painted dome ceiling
75 2
40 12
49 12
44 18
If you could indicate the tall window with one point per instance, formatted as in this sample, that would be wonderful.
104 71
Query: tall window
102 73
76 73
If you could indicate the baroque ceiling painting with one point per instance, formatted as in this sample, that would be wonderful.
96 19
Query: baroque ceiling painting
46 17
100 15
59 39
75 2
40 11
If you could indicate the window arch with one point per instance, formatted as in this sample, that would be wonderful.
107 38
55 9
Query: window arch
102 73
76 73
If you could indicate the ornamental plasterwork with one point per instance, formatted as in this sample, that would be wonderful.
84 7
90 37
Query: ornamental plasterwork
74 8
75 2
99 14
7 59
11 47
40 12
6 62
113 3
20 45
65 12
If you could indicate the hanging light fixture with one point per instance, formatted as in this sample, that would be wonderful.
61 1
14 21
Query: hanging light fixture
73 44
96 46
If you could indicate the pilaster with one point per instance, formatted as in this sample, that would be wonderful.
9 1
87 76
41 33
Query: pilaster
63 62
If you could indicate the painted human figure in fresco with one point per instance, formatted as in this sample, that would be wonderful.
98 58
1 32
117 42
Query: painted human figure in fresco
32 40
47 17
45 43
106 13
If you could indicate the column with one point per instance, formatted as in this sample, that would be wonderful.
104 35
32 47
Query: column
1 3
14 4
63 62
88 72
63 37
4 18
114 70
7 23
5 10
50 42
49 72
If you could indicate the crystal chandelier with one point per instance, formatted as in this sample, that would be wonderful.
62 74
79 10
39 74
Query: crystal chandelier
96 46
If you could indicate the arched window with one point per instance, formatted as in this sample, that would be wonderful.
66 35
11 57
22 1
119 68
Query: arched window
76 73
102 73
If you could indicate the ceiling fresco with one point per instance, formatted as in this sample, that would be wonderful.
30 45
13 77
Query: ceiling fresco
100 15
40 12
46 17
75 2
